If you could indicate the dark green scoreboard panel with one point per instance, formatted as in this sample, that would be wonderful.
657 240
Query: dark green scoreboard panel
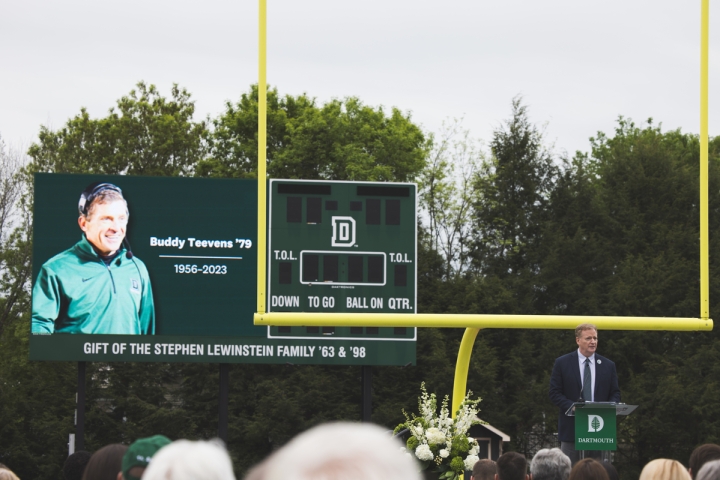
342 247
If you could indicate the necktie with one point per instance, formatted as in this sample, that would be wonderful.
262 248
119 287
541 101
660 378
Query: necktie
587 382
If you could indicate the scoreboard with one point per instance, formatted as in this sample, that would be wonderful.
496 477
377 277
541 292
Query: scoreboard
342 247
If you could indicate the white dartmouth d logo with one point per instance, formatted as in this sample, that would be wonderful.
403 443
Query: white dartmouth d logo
343 231
595 423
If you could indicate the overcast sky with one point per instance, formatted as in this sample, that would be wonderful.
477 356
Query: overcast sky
578 64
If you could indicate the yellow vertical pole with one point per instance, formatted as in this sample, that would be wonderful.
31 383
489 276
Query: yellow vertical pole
704 235
262 154
461 368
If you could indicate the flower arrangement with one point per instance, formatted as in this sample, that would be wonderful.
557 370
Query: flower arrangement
438 441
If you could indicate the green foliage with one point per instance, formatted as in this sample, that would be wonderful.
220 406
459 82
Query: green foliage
512 200
341 140
457 466
146 134
460 446
446 196
412 443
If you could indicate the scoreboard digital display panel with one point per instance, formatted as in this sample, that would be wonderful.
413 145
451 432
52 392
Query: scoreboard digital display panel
342 247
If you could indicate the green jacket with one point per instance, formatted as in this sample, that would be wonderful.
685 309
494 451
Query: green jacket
76 292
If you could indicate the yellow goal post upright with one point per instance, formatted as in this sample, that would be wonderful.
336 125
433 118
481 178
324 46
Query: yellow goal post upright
473 323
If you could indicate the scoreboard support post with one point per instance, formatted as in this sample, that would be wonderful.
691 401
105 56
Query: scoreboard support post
223 401
366 393
80 412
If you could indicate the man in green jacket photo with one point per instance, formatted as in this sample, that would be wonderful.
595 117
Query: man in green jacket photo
97 286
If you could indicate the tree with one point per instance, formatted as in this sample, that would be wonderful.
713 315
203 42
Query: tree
512 190
146 135
446 195
341 140
36 398
15 228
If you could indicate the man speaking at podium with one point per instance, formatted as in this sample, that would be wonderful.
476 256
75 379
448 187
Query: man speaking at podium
582 375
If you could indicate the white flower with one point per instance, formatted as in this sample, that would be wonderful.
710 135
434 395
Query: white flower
434 436
599 361
423 452
444 453
470 462
473 450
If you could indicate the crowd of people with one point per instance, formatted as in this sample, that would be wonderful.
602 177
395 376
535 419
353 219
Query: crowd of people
347 451
553 464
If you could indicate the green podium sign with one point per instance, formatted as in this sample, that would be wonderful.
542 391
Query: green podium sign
595 427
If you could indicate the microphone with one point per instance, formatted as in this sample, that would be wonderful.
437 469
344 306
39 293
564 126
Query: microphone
128 254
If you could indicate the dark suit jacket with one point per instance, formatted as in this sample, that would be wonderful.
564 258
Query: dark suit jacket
566 388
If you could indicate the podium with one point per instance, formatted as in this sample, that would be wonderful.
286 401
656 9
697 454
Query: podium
595 427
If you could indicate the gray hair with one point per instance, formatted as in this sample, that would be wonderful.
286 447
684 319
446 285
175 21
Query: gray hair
550 464
105 197
187 460
709 471
342 450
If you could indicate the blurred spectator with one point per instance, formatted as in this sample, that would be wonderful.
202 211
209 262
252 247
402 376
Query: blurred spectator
7 474
105 463
550 464
484 469
709 471
186 460
511 466
701 455
588 469
610 470
139 454
75 464
664 469
342 450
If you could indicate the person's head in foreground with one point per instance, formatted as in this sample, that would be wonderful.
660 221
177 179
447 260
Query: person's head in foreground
75 464
709 471
342 450
550 464
7 474
187 460
105 463
484 469
588 469
610 470
511 466
664 469
138 456
701 455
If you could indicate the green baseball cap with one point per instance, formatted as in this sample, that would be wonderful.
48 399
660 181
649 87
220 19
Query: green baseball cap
141 452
